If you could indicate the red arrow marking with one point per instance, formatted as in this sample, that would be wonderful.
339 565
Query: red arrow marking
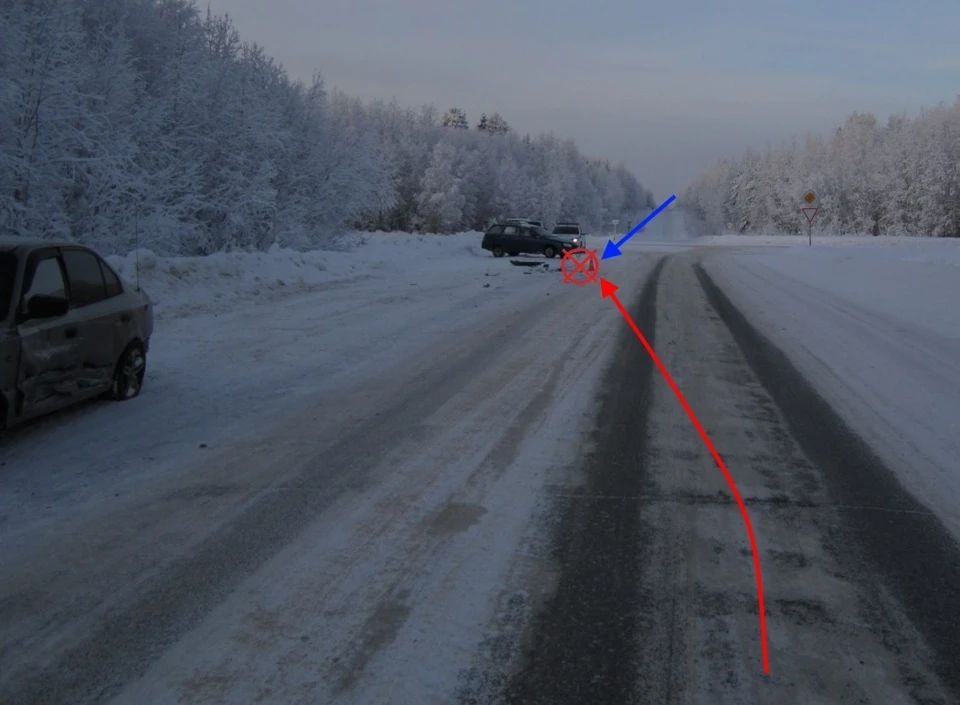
609 290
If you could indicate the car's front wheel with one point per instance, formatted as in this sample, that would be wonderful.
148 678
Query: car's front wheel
498 251
548 251
131 369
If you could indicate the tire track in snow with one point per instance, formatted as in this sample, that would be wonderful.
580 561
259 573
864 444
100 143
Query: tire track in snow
580 648
132 632
351 600
909 548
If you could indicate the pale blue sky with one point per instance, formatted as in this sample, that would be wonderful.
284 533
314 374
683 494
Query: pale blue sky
665 87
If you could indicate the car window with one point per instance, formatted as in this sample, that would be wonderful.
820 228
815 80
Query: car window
86 277
8 272
540 232
510 230
46 279
112 281
566 230
495 230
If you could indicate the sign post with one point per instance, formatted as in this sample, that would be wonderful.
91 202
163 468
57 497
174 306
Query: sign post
810 212
615 224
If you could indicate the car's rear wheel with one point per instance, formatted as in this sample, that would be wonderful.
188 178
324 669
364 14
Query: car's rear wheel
498 251
548 251
131 369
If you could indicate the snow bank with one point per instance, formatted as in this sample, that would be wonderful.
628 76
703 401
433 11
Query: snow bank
185 285
914 280
899 241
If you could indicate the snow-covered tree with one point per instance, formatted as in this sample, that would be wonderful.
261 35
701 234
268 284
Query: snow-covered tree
455 117
901 178
150 120
496 125
441 200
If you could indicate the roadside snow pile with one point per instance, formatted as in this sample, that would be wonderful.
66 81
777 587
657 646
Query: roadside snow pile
185 285
924 243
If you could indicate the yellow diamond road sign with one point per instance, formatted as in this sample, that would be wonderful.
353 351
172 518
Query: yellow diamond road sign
810 197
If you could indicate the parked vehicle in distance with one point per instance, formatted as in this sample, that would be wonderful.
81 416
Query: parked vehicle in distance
70 329
571 229
516 237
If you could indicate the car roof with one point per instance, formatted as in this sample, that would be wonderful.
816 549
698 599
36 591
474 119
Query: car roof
9 243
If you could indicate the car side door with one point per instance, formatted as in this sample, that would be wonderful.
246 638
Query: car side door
492 237
49 359
103 324
528 243
511 238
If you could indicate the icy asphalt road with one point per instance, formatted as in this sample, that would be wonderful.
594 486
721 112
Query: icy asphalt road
444 493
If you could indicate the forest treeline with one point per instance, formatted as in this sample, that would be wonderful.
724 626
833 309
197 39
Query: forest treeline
150 119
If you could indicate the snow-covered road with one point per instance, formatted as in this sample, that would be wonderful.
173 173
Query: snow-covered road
878 332
365 414
454 480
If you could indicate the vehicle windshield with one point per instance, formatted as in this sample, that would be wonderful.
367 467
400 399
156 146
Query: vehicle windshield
566 230
538 231
8 272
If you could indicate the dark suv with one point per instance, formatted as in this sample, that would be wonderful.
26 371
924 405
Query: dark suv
522 237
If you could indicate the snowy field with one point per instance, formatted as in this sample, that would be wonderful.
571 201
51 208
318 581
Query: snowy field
924 246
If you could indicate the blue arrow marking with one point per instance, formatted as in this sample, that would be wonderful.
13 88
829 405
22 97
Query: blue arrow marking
613 249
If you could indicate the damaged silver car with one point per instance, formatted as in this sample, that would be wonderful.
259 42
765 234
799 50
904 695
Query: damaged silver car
70 329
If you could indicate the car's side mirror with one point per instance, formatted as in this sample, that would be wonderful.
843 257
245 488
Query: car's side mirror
41 306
